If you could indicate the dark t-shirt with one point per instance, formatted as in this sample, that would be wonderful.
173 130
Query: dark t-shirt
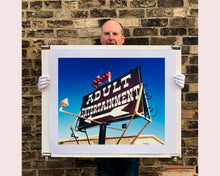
117 166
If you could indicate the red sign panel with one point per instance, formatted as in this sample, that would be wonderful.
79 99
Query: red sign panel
113 101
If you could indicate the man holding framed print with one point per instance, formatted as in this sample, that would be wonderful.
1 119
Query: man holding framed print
112 34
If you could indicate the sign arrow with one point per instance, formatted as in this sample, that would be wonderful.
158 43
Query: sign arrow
114 113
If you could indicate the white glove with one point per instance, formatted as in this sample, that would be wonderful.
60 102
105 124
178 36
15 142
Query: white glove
180 80
43 83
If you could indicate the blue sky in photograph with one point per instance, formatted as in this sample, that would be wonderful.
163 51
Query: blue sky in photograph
75 77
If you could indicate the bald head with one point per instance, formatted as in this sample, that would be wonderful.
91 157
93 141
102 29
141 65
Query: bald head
112 33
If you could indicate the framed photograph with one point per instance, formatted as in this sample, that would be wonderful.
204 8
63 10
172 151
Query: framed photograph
111 101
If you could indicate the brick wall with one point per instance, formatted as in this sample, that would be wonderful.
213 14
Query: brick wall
77 22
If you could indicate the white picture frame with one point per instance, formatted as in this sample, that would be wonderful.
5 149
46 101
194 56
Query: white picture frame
172 146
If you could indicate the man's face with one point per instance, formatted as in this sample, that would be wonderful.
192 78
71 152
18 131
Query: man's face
111 34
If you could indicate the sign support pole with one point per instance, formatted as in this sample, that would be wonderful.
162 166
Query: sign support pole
75 137
135 111
102 133
87 137
140 132
148 119
75 120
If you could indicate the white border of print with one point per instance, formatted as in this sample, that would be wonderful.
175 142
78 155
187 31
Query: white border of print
172 146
